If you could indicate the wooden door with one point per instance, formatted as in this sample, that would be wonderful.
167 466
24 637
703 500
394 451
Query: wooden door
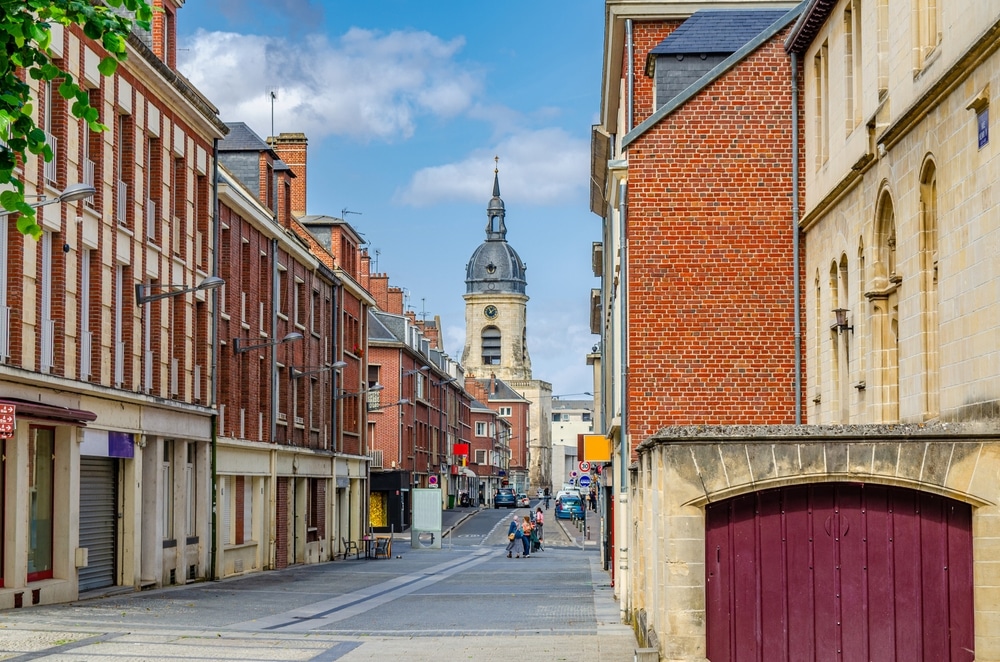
839 572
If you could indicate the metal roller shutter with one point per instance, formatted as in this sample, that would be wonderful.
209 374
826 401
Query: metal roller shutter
98 520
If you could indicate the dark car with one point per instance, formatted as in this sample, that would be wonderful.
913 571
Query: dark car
568 506
506 497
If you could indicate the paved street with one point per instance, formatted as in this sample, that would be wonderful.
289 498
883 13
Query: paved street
464 602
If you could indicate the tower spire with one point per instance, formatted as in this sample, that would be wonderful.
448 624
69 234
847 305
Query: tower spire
495 228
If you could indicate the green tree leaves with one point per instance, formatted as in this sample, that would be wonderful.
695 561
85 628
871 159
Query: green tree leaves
25 47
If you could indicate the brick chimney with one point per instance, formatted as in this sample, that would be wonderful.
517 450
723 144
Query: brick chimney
291 148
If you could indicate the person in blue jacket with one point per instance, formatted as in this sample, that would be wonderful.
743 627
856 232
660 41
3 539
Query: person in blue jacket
514 537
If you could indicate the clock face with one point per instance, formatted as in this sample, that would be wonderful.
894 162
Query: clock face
491 312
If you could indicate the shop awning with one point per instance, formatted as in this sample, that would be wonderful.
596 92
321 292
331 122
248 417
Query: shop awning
39 411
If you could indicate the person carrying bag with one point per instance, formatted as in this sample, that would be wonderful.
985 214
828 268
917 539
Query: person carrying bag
513 537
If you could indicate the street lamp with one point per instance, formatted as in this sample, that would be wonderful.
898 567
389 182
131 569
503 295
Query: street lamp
413 372
306 371
71 193
238 348
144 293
372 389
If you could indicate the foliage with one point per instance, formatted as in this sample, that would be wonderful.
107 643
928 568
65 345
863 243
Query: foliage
25 40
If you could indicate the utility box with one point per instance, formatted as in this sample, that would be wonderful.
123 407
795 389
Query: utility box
425 532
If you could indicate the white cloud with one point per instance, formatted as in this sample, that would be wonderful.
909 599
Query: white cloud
544 167
366 85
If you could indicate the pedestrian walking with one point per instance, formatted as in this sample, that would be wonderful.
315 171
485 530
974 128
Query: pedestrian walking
593 499
514 538
537 533
526 536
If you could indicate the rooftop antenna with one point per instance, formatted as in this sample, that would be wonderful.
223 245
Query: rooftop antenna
345 211
272 93
377 253
423 309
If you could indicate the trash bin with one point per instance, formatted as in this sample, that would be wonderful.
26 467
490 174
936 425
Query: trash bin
451 501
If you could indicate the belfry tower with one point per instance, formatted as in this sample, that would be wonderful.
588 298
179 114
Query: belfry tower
496 339
496 303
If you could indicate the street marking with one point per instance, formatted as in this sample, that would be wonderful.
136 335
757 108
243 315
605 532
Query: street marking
325 612
63 648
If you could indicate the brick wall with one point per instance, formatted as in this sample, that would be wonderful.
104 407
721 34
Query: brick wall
292 148
710 268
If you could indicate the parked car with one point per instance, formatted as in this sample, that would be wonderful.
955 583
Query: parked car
523 501
505 497
569 506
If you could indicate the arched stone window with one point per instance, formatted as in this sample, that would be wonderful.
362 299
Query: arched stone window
885 314
491 345
929 287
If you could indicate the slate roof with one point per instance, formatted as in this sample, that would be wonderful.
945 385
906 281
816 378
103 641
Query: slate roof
717 31
241 138
377 330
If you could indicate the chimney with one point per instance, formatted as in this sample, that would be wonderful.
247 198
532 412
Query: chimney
291 148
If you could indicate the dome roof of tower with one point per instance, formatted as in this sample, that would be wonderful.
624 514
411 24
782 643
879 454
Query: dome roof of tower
495 267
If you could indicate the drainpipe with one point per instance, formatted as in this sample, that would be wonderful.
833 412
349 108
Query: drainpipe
213 380
795 239
623 340
631 75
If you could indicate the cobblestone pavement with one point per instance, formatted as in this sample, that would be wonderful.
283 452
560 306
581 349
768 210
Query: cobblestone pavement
465 602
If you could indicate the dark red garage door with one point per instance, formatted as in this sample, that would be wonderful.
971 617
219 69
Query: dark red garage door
840 572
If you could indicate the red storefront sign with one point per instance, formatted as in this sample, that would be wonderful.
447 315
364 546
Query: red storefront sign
460 449
6 421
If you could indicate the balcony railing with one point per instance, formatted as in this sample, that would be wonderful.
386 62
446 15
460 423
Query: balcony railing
121 207
89 167
86 353
4 333
48 345
50 166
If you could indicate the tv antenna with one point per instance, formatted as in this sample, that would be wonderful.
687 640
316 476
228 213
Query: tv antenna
345 211
377 253
272 94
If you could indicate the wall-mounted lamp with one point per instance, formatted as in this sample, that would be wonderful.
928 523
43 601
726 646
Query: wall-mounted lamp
240 348
413 372
841 323
144 293
346 394
71 193
446 381
305 371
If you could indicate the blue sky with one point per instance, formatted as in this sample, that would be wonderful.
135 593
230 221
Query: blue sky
405 104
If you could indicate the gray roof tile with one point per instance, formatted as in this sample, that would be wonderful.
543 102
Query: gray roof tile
717 31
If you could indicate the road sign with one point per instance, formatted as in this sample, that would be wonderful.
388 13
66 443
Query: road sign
432 480
572 474
585 467
584 481
6 421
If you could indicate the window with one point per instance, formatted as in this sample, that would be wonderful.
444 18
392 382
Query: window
585 417
154 195
420 384
821 76
178 195
481 429
119 314
191 485
925 18
504 411
45 291
86 336
882 17
852 65
167 489
41 490
123 168
491 341
480 456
